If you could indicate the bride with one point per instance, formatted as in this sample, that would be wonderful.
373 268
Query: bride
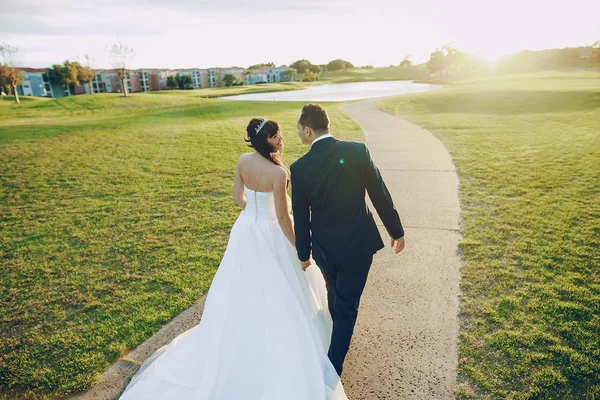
266 328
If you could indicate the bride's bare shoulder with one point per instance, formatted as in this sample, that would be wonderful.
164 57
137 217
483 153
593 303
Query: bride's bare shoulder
277 174
244 158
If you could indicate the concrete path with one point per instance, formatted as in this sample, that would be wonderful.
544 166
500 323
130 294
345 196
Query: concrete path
406 337
405 342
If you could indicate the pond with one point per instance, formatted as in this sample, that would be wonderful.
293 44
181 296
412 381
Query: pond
342 91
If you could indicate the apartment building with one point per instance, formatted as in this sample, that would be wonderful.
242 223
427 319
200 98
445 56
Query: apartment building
37 82
237 72
202 78
268 75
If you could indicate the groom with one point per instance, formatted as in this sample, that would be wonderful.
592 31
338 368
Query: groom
332 220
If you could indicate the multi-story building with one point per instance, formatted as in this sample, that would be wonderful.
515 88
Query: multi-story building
202 78
158 79
35 83
269 75
197 75
212 77
100 84
237 72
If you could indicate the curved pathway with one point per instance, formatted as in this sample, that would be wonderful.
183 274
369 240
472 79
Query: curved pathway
405 342
406 338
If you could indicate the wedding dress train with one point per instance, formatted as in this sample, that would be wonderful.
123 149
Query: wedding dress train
265 330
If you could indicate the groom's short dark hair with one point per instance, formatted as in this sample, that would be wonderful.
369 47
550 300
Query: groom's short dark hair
315 117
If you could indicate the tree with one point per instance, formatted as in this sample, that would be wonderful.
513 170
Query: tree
11 77
86 74
300 65
407 62
9 73
247 73
443 59
69 74
55 74
4 85
315 69
336 65
436 62
73 73
120 56
229 79
339 65
310 76
291 74
183 81
172 82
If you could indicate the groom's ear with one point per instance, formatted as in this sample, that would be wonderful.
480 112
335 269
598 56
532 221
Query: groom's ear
308 131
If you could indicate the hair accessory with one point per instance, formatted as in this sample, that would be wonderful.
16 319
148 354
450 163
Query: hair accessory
258 128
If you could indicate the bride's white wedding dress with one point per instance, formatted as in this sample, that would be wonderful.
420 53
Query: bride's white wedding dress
265 330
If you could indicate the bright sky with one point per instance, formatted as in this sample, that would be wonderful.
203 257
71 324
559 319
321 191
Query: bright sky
211 33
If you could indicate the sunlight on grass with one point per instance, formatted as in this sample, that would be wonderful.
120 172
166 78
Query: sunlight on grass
115 214
527 151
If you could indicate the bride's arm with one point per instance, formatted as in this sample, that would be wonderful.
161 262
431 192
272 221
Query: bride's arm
281 206
238 188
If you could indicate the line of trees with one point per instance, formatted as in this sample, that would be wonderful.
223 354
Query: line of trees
70 73
531 61
310 72
268 65
448 60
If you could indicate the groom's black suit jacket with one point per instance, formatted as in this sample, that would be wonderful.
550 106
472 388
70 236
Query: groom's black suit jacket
328 199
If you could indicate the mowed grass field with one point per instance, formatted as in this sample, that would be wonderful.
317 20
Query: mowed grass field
114 215
392 73
527 150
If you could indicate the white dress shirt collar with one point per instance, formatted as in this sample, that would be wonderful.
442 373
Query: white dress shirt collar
325 136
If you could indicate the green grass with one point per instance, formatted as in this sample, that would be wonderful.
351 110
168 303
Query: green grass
115 214
11 99
527 151
235 90
418 72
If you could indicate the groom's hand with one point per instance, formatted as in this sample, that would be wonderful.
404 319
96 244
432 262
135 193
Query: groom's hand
305 264
398 244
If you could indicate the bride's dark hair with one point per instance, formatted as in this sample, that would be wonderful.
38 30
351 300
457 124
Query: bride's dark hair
258 141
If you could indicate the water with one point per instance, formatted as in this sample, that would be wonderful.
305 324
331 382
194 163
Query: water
342 91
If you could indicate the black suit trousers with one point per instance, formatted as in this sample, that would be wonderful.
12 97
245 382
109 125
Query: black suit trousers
345 282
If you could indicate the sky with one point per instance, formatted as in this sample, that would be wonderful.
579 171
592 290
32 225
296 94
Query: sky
222 33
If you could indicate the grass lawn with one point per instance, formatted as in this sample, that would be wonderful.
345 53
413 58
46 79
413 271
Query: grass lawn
114 215
527 150
418 72
235 90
